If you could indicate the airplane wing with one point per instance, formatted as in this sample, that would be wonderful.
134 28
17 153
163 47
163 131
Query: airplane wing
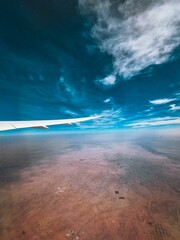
10 125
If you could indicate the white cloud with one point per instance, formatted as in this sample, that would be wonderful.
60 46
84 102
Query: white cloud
109 119
108 81
136 34
71 113
155 122
173 107
108 100
162 101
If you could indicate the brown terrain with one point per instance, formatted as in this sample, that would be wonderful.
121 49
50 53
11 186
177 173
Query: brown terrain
119 186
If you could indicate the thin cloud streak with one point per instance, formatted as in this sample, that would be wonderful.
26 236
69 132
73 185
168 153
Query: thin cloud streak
162 101
155 122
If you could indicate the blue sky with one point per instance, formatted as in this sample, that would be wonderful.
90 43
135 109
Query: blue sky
66 59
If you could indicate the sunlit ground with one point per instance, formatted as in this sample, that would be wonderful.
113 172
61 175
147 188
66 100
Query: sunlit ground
122 185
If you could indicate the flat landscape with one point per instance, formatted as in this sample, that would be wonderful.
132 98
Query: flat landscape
90 186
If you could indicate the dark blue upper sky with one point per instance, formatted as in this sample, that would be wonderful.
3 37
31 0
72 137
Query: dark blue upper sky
69 58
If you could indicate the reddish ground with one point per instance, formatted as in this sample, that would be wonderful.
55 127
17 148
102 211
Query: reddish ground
92 192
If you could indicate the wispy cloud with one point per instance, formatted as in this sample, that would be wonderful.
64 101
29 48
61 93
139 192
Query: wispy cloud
174 107
149 109
110 118
162 101
108 100
155 122
106 82
71 113
137 34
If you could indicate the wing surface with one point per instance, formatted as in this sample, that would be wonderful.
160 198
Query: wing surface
10 125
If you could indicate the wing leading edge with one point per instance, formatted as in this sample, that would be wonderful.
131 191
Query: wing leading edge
10 125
